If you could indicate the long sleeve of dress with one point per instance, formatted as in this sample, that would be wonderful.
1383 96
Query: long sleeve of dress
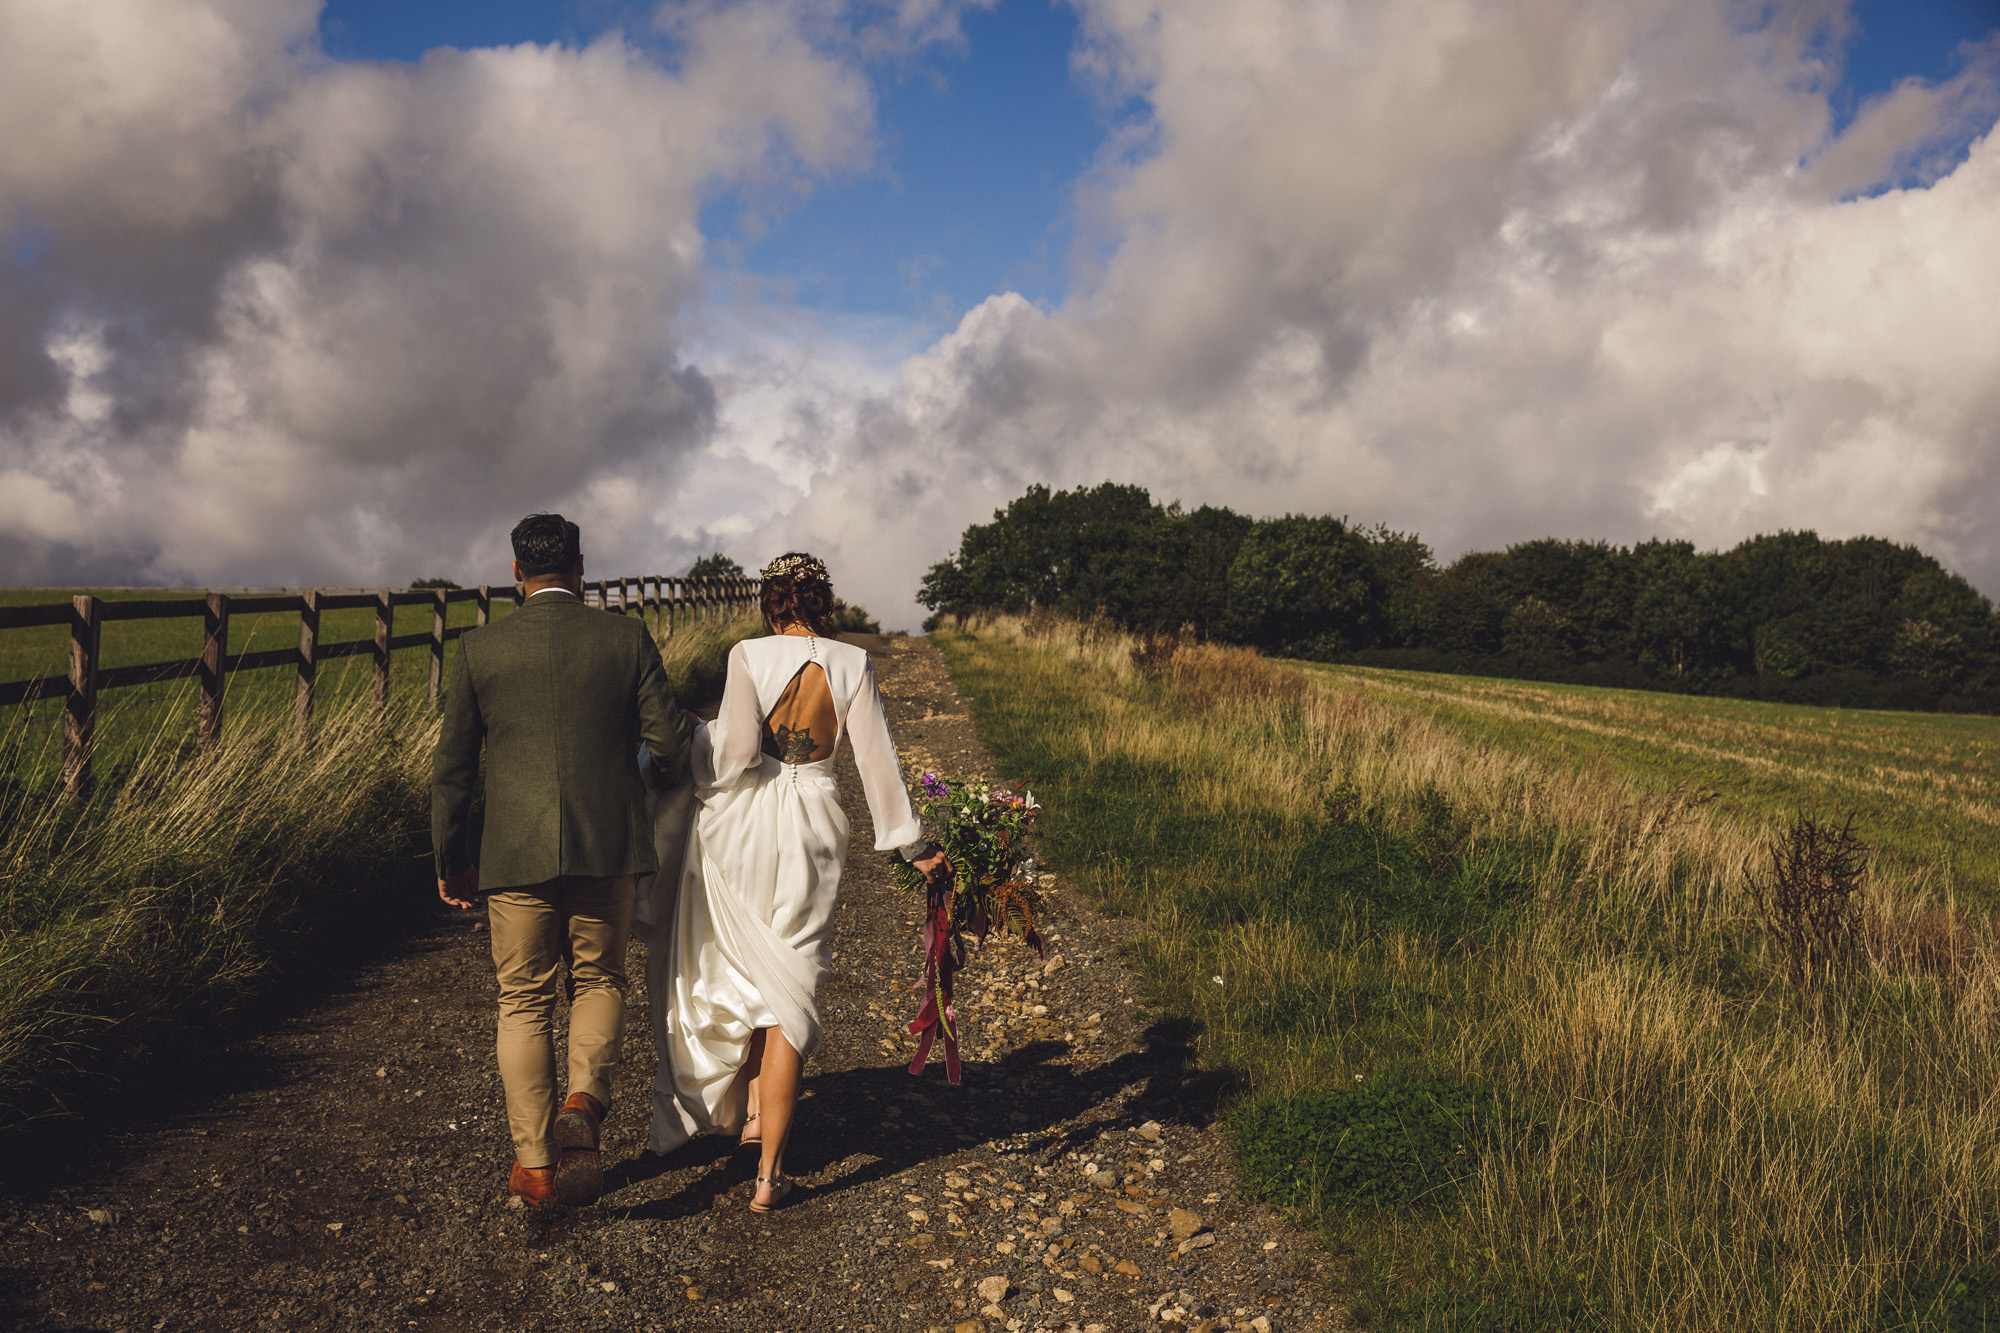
732 745
897 828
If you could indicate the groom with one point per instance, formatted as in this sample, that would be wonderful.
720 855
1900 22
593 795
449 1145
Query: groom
560 695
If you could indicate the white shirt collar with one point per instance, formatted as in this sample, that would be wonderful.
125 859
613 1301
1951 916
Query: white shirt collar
564 591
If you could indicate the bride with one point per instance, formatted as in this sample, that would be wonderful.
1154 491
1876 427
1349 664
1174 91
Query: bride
751 927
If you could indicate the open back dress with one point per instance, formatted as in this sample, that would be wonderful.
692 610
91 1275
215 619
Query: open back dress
753 918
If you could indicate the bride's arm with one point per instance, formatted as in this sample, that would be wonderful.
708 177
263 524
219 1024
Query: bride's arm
897 828
732 744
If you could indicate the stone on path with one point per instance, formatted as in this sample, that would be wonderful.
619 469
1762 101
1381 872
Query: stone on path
993 1290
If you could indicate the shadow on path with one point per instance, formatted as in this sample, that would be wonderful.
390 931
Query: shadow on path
1027 1100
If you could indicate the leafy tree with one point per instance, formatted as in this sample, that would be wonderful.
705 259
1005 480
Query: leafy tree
1404 574
1186 581
1464 608
1304 587
853 619
1677 622
433 583
1108 549
717 566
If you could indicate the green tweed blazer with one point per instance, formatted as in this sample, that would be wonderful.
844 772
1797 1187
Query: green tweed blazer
560 694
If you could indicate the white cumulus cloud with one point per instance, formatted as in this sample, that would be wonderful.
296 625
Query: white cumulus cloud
272 317
1488 269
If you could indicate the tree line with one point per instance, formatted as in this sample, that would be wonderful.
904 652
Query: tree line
1860 622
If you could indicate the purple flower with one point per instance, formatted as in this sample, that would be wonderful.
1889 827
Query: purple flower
934 787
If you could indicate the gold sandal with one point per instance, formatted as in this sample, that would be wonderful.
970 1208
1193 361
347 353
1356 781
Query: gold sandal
744 1140
781 1189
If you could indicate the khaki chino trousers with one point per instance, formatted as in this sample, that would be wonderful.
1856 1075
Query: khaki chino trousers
586 924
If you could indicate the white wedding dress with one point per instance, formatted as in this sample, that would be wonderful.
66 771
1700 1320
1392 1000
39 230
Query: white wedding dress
744 944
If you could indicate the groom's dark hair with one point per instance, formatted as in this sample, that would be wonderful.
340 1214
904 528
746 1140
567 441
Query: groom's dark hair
547 544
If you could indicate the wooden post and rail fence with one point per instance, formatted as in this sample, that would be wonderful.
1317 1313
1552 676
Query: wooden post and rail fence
672 603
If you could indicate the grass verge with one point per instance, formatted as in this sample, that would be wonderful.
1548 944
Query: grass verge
1509 1031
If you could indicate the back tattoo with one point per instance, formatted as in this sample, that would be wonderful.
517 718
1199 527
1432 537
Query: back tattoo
795 745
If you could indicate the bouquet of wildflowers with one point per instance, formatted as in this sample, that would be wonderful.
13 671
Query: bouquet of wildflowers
990 888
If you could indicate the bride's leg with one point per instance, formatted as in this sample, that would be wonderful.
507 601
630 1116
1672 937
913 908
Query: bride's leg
752 1125
779 1084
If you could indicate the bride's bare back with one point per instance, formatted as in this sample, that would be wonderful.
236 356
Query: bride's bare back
802 725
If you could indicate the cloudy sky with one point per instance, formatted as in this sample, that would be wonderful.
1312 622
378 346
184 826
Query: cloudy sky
331 293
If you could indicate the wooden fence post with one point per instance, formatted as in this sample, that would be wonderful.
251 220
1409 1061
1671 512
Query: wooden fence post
385 618
302 700
214 649
80 710
484 606
438 610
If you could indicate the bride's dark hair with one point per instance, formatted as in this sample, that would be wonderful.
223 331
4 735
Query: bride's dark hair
797 590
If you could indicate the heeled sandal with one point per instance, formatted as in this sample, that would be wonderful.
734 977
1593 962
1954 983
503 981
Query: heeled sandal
744 1140
781 1190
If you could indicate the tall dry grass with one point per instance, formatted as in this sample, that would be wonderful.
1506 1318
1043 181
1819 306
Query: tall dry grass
162 896
1696 1142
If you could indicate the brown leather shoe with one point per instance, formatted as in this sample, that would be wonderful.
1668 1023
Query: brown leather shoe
577 1124
536 1184
579 1177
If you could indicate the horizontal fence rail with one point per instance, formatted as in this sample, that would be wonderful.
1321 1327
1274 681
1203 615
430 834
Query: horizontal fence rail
670 603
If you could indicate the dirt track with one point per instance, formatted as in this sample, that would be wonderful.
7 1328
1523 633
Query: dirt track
346 1168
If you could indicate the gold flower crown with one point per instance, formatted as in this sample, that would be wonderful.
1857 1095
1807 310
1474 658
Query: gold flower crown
796 565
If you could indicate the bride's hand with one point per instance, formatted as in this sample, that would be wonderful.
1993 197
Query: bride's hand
933 866
459 890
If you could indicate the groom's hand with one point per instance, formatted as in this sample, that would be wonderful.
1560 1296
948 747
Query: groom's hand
459 890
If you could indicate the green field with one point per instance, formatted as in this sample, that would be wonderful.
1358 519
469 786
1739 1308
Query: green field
1924 787
1485 999
132 719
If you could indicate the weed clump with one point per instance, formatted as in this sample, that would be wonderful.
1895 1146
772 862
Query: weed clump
1806 897
1345 804
1440 831
1152 653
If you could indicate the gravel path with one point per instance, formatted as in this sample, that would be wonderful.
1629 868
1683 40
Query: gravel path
346 1171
